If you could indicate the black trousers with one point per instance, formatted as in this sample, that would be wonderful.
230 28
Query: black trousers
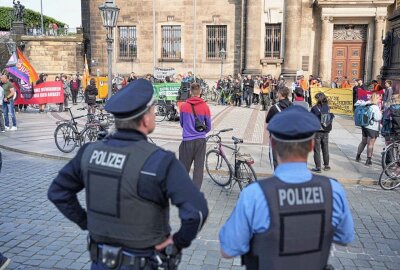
321 142
74 95
193 151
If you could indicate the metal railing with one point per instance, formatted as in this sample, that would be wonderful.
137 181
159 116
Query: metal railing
171 42
37 31
272 41
216 40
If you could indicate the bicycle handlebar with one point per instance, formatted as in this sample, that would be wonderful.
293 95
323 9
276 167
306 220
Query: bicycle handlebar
225 130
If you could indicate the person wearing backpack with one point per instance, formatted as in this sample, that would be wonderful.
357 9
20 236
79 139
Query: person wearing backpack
90 96
370 131
195 120
322 111
283 103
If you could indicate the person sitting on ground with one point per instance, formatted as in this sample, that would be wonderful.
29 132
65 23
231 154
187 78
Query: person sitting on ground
299 98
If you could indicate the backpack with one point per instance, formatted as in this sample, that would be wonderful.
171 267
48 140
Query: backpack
326 119
395 118
363 115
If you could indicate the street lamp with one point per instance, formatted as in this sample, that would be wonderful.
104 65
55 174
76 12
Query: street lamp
109 14
222 54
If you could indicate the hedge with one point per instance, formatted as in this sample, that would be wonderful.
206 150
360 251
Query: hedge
31 19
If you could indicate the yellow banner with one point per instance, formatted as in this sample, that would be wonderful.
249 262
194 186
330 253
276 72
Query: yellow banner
340 100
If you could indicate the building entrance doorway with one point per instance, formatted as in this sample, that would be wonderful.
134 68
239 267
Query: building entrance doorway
348 60
349 47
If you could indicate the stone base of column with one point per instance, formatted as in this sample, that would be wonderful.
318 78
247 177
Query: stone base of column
252 71
18 28
289 75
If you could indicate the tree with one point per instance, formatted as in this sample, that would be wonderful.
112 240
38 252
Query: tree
31 19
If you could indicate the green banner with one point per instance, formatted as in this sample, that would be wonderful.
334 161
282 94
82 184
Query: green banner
170 90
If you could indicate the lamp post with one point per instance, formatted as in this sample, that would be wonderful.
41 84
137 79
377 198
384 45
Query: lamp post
109 14
222 54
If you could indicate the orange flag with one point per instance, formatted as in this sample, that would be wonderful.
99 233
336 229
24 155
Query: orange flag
33 76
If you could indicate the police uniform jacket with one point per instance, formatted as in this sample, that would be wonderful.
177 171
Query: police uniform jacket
162 178
252 215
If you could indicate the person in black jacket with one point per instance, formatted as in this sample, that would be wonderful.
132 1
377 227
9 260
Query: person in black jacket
248 85
322 136
283 103
90 96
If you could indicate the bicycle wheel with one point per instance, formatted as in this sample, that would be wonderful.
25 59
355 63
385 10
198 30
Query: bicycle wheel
391 153
390 176
245 175
90 135
161 112
218 168
65 137
80 97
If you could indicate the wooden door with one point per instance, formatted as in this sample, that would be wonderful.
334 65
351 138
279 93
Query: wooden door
348 60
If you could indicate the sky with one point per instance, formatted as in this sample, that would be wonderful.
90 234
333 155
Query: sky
68 12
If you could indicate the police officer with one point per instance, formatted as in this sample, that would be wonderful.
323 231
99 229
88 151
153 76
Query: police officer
289 221
128 184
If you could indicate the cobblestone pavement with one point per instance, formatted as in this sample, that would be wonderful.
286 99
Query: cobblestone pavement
36 236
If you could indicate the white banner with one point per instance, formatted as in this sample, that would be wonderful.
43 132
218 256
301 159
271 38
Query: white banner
161 73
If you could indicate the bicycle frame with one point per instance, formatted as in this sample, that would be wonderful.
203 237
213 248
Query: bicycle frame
222 153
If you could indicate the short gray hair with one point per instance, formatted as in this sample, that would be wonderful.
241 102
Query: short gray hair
130 124
296 149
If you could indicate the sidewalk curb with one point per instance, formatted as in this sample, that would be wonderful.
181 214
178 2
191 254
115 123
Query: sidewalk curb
35 154
345 181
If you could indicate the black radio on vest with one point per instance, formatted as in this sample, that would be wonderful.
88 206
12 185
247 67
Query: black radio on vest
300 232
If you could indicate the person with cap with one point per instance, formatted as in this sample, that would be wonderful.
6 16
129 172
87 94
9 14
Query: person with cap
290 220
128 183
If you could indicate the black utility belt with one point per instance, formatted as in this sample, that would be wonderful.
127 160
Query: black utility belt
115 257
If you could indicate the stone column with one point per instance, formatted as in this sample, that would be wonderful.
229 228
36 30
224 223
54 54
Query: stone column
253 37
325 55
292 24
377 60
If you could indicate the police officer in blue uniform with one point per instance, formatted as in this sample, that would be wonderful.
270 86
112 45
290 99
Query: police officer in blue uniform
289 221
128 184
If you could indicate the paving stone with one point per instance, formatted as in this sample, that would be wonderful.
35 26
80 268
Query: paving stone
36 236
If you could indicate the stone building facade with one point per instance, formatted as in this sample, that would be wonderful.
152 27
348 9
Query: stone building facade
328 38
55 54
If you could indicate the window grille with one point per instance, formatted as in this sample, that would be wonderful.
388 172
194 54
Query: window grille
171 42
216 40
127 42
272 41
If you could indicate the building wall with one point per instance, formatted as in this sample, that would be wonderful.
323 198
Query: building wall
55 55
309 56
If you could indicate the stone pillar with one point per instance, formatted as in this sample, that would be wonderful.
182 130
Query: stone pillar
325 55
292 24
378 46
253 37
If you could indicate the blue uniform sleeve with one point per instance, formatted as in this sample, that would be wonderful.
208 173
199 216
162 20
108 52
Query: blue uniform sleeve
250 216
64 188
342 219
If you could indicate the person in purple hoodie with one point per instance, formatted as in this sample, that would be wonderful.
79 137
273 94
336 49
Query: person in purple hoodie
193 145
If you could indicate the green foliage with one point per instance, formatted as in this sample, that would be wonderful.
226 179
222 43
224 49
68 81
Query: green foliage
31 19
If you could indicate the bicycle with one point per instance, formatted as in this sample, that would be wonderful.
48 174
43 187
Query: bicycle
392 151
220 169
165 109
80 97
390 176
67 135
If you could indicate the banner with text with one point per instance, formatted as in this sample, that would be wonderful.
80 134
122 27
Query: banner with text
161 73
340 100
169 90
47 92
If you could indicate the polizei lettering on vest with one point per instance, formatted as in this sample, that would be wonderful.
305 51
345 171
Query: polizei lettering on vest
107 159
300 196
